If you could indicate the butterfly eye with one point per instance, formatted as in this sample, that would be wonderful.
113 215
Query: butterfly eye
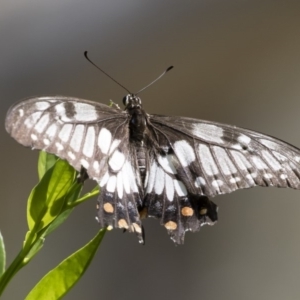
125 101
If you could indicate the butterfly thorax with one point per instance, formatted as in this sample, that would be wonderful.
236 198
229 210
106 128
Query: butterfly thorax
138 118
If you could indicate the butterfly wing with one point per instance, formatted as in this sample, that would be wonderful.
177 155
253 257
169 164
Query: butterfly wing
188 161
120 194
81 131
167 198
219 158
206 159
87 134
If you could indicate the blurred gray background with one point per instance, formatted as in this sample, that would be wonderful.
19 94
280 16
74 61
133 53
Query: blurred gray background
236 62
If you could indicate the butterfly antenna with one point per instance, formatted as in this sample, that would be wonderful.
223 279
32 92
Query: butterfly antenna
160 76
86 56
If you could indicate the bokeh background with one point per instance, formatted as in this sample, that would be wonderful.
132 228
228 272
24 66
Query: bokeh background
236 62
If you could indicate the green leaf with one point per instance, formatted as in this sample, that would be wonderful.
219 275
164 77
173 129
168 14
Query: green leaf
47 198
2 255
73 194
46 161
58 221
60 280
37 246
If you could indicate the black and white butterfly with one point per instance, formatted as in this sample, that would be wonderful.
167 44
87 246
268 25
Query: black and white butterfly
153 166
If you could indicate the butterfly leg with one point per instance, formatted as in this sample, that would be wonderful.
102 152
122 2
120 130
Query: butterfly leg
82 175
113 104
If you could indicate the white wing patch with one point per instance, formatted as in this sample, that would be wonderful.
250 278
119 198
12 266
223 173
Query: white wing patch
116 161
32 119
125 181
65 132
114 145
167 163
51 131
34 137
128 171
159 181
77 137
241 160
122 182
271 160
104 179
46 142
259 163
169 183
111 184
61 115
208 132
226 165
85 112
104 140
84 163
96 166
244 139
42 105
217 183
89 144
200 181
283 176
207 160
269 144
71 155
21 112
152 177
120 185
59 146
184 152
180 188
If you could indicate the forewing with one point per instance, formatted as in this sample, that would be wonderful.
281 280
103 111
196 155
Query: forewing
91 135
83 132
215 158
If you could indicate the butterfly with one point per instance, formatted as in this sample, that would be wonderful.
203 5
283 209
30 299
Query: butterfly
151 165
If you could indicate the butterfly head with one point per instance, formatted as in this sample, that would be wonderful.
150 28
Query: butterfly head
131 101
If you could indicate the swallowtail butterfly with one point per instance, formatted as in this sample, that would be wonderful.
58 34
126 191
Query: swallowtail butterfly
150 165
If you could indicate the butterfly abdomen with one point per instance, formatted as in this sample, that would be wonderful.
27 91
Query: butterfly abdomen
141 156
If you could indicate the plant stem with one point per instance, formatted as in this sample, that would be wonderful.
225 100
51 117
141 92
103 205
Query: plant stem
87 196
14 267
18 262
